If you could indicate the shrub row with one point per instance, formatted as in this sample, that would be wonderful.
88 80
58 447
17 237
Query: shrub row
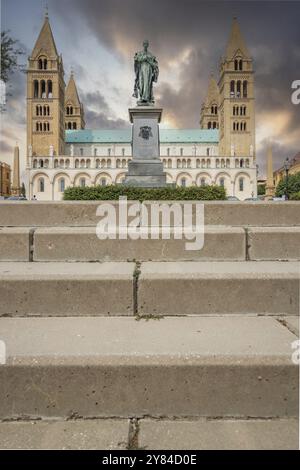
169 193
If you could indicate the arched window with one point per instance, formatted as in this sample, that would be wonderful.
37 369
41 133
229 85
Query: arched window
241 163
240 64
69 125
209 125
68 110
233 110
43 89
207 151
49 86
45 126
67 165
232 88
41 185
236 64
214 125
222 182
183 182
189 163
202 182
48 111
183 163
208 163
76 163
71 110
41 127
108 163
227 163
82 163
123 163
241 184
103 182
197 163
245 88
37 110
40 63
36 89
74 125
234 126
82 182
61 185
169 163
41 164
37 126
45 64
238 88
34 163
98 163
88 163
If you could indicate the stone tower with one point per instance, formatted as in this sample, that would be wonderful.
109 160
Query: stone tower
45 97
236 85
209 118
74 112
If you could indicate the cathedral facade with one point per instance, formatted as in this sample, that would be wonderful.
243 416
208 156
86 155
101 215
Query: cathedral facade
62 153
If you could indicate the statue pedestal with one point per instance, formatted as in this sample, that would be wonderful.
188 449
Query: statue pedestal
145 169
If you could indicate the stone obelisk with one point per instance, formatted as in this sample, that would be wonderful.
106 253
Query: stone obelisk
270 188
145 169
16 187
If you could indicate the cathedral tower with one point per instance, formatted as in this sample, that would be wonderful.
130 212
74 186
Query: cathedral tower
209 111
45 97
74 112
236 85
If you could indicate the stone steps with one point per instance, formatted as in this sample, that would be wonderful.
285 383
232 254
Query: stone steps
83 213
121 434
225 366
82 244
150 288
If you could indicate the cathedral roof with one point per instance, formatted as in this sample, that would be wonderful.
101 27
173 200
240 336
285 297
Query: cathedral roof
45 43
236 42
71 92
172 136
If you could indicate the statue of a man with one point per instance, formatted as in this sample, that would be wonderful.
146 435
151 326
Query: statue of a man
146 72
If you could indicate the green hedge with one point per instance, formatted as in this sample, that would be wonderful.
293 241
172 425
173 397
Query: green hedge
295 196
170 193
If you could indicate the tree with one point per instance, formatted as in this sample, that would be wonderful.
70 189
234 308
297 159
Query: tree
292 185
261 189
11 51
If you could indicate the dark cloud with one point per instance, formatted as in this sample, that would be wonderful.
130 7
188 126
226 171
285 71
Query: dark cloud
98 114
95 120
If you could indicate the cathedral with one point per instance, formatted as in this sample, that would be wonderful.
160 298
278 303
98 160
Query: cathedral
62 153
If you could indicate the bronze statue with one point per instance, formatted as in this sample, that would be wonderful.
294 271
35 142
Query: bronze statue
146 72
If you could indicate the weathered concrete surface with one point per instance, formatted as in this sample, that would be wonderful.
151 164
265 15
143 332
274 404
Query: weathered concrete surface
219 287
66 289
14 244
196 366
291 322
274 243
83 213
62 435
82 244
216 434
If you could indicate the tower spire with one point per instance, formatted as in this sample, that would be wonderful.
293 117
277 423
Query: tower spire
236 42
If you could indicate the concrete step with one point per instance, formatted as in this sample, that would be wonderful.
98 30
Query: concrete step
154 288
83 213
82 244
194 288
219 434
225 366
66 289
154 434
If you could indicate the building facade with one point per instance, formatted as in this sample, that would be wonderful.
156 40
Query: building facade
62 153
5 179
294 167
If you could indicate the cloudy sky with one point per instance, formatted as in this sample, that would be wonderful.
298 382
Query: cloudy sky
98 38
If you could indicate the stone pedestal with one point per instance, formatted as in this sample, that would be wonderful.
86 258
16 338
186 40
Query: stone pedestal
145 168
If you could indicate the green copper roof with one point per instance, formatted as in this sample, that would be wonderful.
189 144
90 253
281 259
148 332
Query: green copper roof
183 136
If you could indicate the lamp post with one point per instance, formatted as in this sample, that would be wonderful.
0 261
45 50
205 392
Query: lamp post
286 168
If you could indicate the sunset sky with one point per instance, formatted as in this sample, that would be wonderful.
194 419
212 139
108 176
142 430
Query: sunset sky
98 38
